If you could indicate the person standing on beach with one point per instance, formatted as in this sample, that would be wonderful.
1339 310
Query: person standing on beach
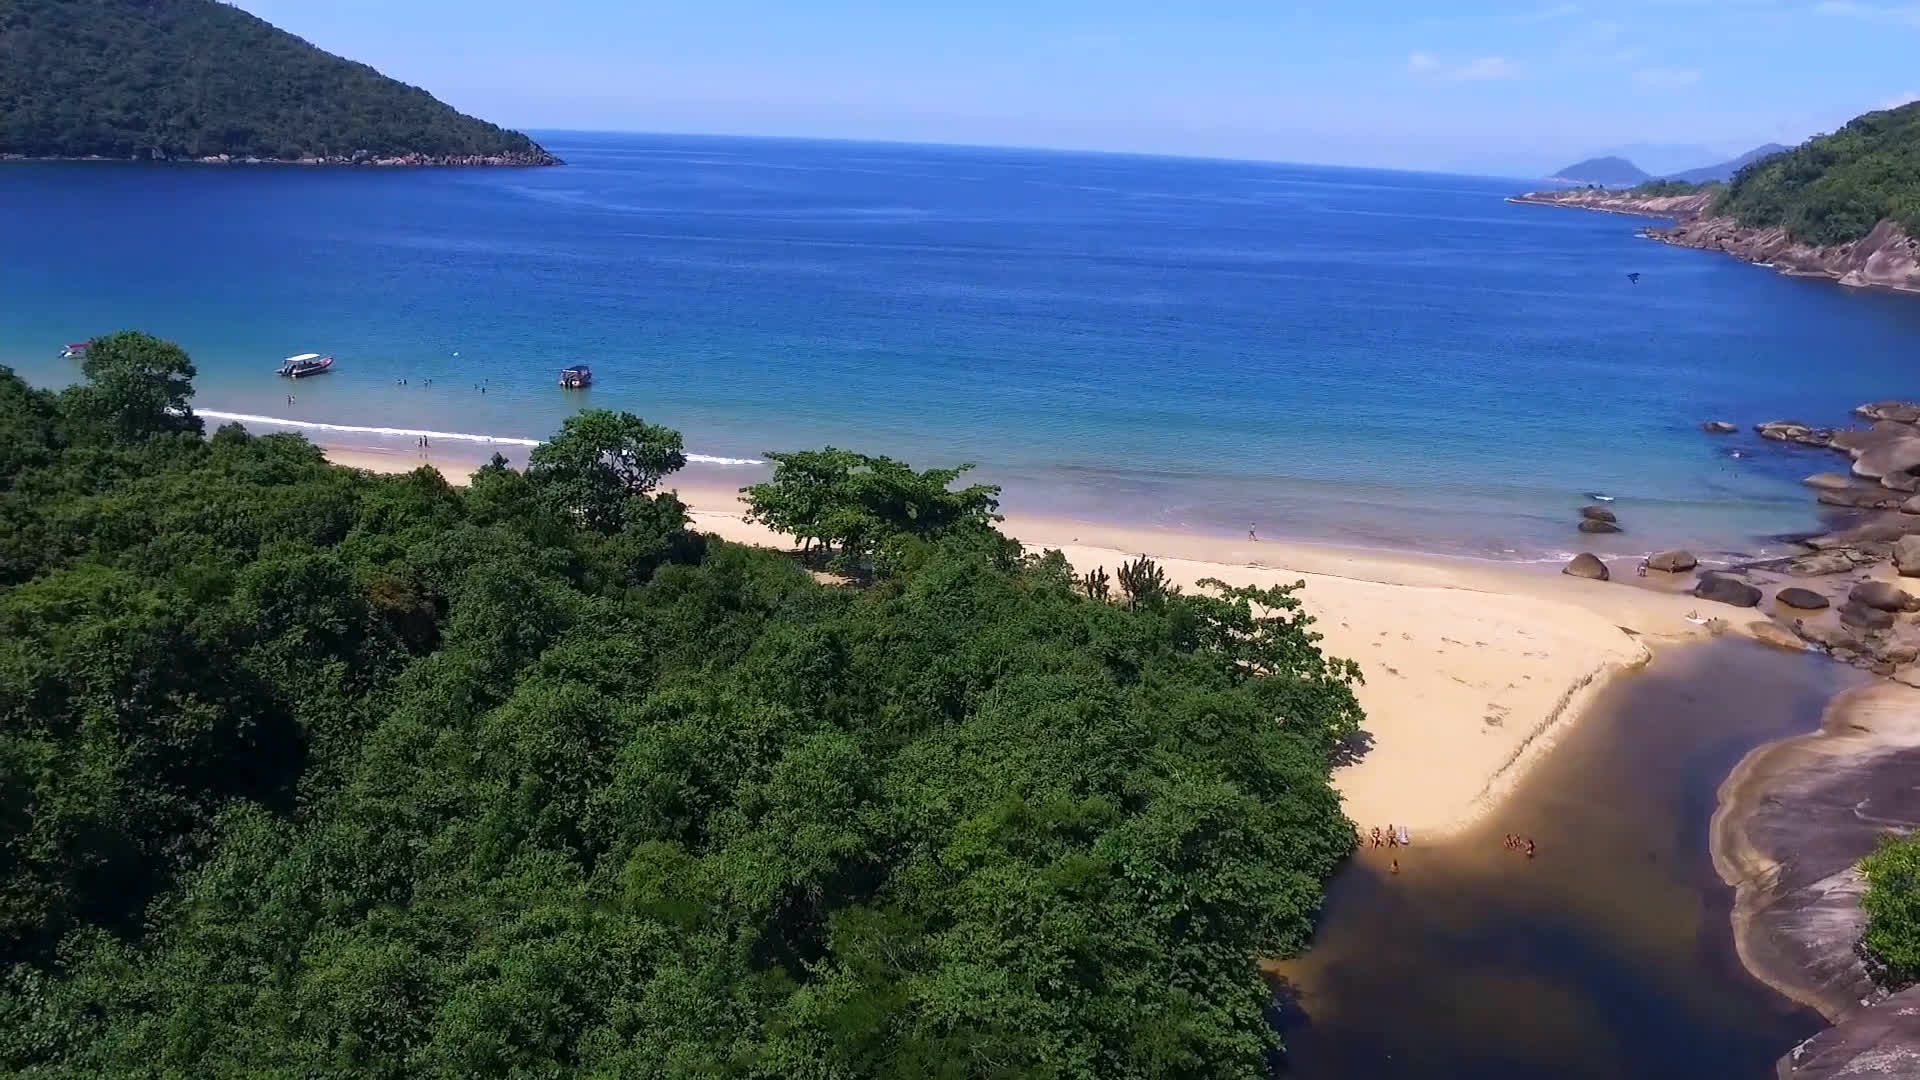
1250 533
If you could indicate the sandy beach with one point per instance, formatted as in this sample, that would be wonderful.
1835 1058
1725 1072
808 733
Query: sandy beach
1473 669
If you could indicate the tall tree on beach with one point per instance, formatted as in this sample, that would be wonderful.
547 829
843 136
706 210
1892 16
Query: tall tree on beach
599 460
137 386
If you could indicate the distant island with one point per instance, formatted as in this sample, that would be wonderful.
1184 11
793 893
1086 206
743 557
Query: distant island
196 80
1844 206
1617 171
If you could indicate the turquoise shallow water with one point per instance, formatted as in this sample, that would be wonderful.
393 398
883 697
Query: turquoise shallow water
1369 357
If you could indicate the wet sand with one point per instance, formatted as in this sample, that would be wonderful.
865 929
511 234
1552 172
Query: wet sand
1610 955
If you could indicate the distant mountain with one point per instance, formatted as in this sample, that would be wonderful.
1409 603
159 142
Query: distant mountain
1725 170
1605 171
175 79
1663 159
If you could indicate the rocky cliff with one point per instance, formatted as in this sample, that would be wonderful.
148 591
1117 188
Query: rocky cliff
1885 258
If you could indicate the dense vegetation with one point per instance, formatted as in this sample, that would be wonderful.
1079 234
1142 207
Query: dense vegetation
306 772
1892 903
1833 189
1663 188
196 78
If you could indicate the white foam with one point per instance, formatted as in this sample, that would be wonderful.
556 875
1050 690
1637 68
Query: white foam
458 436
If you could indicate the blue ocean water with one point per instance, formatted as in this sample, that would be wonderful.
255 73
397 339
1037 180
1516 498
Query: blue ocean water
1371 357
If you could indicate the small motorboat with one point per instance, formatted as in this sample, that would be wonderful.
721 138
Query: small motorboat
577 377
74 351
305 364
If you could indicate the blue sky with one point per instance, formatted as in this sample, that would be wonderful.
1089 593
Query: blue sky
1513 88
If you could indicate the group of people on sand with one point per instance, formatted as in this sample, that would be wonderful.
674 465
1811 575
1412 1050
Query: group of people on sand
1516 842
1392 836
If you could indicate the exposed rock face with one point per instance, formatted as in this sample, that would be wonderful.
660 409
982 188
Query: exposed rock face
1829 481
1719 427
1862 498
1893 456
1886 257
1587 565
1726 590
1619 202
1905 412
1779 637
1598 513
1906 556
1858 441
1881 1041
1594 525
1673 562
1883 595
1804 599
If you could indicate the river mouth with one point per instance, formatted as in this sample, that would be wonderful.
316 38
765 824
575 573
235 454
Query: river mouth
1610 953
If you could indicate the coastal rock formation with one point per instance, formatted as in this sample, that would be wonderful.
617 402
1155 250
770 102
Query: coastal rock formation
1892 456
1595 525
1719 427
1773 634
1884 595
1726 590
1598 513
1803 599
1795 432
1673 562
1911 506
1906 556
1880 1041
1677 207
1860 616
1822 563
1827 637
1829 481
1905 412
1586 565
1886 257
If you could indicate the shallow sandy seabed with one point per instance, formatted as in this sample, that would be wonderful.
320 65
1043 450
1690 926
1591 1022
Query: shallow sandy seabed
1473 669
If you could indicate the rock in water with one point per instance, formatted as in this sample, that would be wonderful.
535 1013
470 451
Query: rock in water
1594 525
1863 617
1673 562
1906 556
1796 597
1768 634
1718 427
1884 595
1726 590
1597 513
1904 412
1587 566
1893 456
1832 637
1829 481
1911 506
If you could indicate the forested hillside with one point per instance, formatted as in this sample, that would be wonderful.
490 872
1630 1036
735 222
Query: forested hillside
1833 189
196 78
306 772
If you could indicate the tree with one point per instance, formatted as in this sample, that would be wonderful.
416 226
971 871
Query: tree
1892 903
1144 583
137 386
862 504
598 461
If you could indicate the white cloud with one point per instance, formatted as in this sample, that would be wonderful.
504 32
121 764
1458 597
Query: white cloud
1665 78
1897 14
1481 69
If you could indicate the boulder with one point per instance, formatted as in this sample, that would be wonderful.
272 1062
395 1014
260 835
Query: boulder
1597 513
1726 590
1861 498
1673 562
1718 427
1768 634
1831 637
1826 562
1856 441
1862 617
1911 506
1594 525
1888 650
1884 595
1829 481
1893 456
1585 565
1908 482
1906 556
1794 596
1783 430
1882 1041
1904 412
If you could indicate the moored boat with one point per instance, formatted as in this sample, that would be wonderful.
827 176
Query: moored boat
299 367
577 377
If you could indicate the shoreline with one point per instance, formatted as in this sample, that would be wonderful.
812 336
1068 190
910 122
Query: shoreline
1474 669
1792 821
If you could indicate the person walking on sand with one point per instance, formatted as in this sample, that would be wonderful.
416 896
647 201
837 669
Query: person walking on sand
1250 533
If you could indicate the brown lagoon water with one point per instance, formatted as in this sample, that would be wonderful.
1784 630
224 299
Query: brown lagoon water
1609 955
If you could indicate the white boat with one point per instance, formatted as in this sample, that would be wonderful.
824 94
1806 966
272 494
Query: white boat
305 364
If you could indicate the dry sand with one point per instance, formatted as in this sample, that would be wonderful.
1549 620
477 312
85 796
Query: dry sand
1473 669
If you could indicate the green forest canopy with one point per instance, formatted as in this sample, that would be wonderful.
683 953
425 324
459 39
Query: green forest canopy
1892 904
197 78
307 772
1833 189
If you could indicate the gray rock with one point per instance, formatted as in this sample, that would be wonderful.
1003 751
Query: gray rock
1892 456
1893 651
1831 637
1862 617
1726 590
1826 562
1673 562
1882 1040
1829 481
1904 412
1856 441
1597 513
1907 482
1585 565
1593 525
1906 556
1911 506
1861 498
1794 596
1768 634
1718 427
1884 595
